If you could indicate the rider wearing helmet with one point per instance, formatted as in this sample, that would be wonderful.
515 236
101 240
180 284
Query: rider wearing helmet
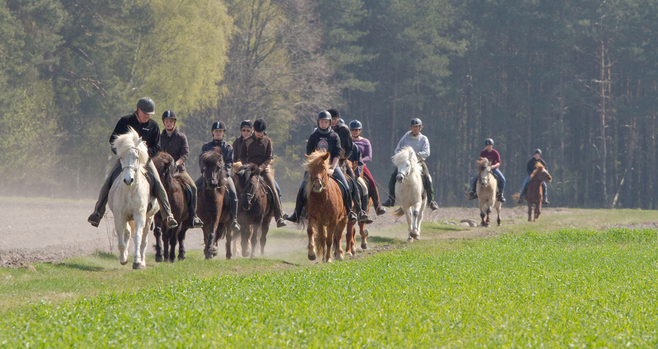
149 131
421 145
218 130
246 130
257 149
324 138
494 159
363 144
346 143
536 158
175 144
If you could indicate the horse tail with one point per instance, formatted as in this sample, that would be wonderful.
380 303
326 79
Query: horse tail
516 196
399 212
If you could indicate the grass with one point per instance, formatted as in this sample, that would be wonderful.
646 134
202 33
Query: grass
569 287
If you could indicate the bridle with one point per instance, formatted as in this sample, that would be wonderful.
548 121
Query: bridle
322 184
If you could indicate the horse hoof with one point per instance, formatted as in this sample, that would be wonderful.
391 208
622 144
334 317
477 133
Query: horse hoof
410 239
348 254
138 266
171 260
311 257
181 257
208 255
158 259
123 263
364 246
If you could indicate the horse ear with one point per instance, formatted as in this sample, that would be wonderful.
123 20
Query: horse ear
306 155
325 156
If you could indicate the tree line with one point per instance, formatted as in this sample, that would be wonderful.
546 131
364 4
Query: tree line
577 79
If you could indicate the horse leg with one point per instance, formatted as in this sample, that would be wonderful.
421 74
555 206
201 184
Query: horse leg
181 245
245 238
140 222
122 230
538 209
529 211
338 236
144 243
310 231
482 215
420 216
488 213
254 239
350 239
165 244
173 238
209 237
364 236
498 207
328 241
407 215
264 228
157 233
229 242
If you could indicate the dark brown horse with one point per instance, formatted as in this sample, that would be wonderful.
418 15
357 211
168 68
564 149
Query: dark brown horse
325 209
535 193
350 233
255 208
165 239
210 203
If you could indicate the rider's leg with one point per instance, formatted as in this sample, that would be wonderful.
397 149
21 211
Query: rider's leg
233 202
427 184
161 195
524 188
195 222
338 175
269 179
545 187
372 191
473 193
356 196
391 190
99 208
501 184
278 190
300 201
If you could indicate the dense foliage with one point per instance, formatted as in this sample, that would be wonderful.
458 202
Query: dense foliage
577 79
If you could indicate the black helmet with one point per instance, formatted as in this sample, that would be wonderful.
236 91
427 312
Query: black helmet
246 123
334 113
341 121
259 125
537 151
218 125
146 105
355 125
168 115
324 115
416 121
488 141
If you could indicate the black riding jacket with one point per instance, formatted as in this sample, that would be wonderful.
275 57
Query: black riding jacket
345 138
531 164
324 141
149 131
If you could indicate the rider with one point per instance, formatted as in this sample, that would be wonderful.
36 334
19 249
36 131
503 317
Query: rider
324 138
536 157
346 143
494 159
246 130
149 131
218 129
257 149
421 145
175 144
363 144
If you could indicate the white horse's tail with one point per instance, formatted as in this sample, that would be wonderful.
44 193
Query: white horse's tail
399 212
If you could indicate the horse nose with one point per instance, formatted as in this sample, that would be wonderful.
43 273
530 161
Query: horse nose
399 178
128 181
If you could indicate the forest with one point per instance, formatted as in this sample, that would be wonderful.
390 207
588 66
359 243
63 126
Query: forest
577 79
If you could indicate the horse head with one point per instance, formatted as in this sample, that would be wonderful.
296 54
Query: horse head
541 173
317 165
213 169
407 161
484 169
165 165
133 154
247 181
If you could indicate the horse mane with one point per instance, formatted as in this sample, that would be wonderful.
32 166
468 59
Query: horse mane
315 160
402 156
538 168
130 140
161 160
246 172
213 158
483 162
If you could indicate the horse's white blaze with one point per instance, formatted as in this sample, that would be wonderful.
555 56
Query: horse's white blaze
409 191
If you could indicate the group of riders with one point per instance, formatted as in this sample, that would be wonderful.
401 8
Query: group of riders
332 135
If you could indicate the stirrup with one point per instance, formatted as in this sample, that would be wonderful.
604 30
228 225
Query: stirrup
380 210
294 217
196 223
171 222
280 223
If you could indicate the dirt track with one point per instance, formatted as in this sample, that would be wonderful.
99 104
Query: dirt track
44 230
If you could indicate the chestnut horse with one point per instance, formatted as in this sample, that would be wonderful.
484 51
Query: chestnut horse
350 233
487 187
535 193
324 207
210 203
255 208
165 239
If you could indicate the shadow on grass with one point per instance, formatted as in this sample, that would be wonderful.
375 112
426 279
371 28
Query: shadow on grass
104 255
79 266
442 227
381 240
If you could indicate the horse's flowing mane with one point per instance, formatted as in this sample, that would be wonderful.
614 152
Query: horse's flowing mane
484 162
538 168
129 140
315 160
402 156
245 172
213 158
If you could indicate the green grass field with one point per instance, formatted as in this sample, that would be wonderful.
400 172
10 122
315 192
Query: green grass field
570 287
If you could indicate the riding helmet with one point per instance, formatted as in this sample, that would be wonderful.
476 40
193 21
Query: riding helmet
168 115
259 125
416 121
341 121
146 105
246 123
334 113
355 125
488 141
537 151
218 125
324 115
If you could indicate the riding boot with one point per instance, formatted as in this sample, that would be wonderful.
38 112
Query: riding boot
429 188
99 208
545 199
374 195
299 205
473 193
233 202
391 190
194 221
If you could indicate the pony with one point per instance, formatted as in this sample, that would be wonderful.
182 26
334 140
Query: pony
131 202
255 208
178 198
210 203
324 208
535 193
409 190
487 186
350 234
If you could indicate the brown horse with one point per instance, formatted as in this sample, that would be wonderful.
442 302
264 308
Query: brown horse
324 208
210 206
178 199
535 193
255 208
350 233
487 187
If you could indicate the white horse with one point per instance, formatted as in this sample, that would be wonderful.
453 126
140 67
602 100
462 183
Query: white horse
487 188
409 190
129 200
